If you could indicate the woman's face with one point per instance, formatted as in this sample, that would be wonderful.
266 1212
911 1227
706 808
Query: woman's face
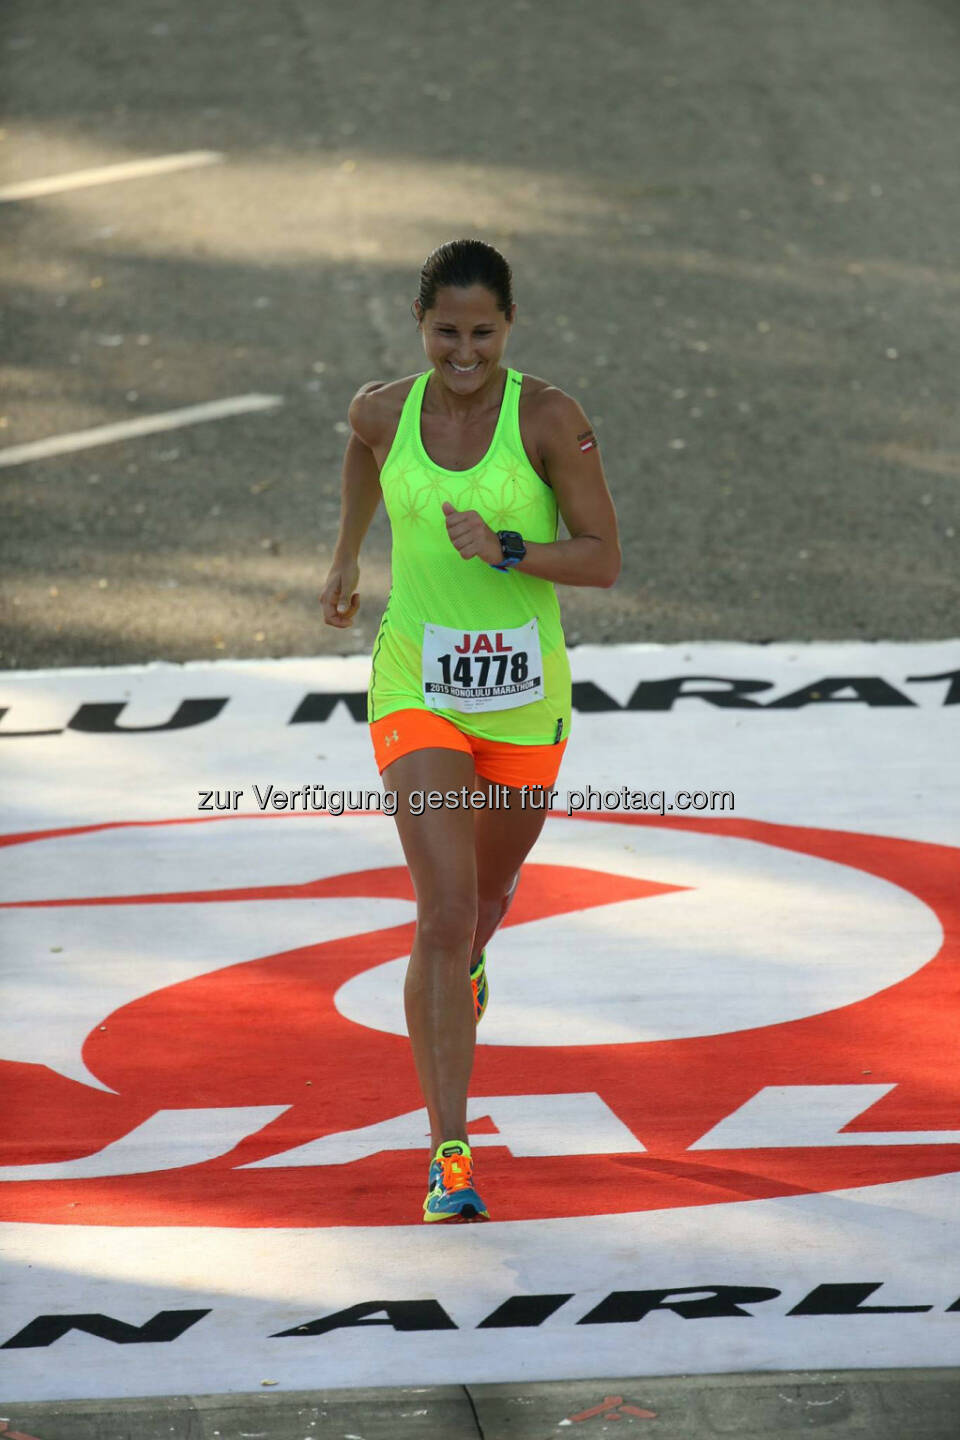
465 329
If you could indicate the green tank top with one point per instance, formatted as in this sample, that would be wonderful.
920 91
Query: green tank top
433 587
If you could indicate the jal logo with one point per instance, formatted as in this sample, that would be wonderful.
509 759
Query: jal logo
683 1012
481 644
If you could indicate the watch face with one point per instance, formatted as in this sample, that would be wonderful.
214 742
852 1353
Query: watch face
512 545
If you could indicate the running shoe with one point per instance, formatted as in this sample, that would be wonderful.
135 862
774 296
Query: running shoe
480 987
451 1196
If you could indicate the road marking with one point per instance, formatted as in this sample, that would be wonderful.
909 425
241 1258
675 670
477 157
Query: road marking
145 425
168 1140
785 1117
104 174
577 1123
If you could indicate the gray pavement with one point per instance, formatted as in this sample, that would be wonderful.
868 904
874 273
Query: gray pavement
846 1405
733 234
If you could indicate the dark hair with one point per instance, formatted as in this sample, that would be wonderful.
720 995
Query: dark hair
464 263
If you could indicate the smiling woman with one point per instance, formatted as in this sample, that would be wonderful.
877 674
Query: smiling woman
470 681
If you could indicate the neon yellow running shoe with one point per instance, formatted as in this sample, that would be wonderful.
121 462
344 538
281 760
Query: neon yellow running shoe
451 1197
480 987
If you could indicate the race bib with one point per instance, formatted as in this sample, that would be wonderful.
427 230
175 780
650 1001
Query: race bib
477 670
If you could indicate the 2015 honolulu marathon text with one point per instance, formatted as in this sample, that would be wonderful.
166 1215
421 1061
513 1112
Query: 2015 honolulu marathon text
319 799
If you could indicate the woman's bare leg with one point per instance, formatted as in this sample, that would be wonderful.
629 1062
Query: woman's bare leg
504 838
439 846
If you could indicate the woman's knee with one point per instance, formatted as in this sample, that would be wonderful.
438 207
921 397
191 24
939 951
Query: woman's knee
447 925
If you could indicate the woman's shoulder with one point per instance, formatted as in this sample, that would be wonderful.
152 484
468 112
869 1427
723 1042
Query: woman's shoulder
376 404
535 387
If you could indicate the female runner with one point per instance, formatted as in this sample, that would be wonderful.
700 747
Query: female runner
470 682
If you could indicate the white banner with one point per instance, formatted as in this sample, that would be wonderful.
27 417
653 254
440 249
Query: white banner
715 1106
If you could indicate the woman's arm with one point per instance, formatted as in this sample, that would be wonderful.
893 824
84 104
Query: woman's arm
592 555
359 497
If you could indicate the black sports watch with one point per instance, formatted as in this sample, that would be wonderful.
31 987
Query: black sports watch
512 547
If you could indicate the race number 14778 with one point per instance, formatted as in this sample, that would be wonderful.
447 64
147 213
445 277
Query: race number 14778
478 670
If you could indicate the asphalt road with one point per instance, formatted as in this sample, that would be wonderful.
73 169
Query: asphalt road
733 236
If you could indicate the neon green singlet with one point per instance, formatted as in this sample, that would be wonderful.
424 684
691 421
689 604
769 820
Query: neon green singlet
432 585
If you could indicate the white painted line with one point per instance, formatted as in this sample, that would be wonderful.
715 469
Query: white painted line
129 170
146 425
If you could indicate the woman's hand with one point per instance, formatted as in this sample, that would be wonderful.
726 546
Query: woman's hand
472 535
339 597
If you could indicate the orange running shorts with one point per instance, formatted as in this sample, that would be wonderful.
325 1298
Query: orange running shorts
402 731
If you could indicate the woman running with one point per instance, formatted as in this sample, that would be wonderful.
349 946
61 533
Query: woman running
470 682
